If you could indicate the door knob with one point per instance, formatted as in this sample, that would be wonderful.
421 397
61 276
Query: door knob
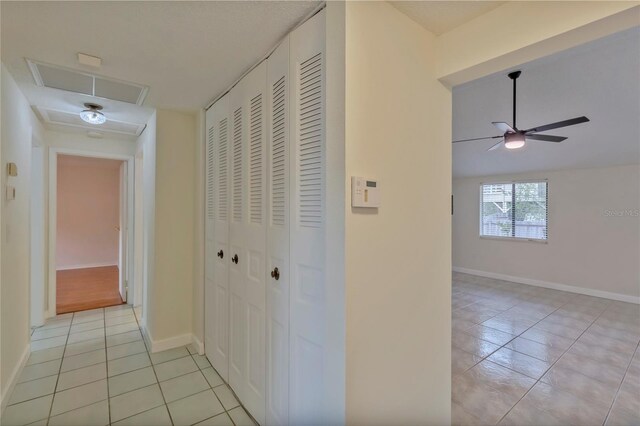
234 259
275 273
220 254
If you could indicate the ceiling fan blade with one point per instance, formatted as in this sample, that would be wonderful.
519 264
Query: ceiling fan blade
477 139
546 138
503 127
557 125
496 146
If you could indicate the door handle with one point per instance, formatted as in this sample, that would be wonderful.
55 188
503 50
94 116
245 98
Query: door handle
234 259
220 254
275 274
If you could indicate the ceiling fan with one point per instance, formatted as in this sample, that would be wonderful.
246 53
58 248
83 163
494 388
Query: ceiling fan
514 138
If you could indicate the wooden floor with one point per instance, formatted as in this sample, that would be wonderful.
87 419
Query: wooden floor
90 288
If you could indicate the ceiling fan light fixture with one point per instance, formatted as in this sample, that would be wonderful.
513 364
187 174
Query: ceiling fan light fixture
514 140
92 114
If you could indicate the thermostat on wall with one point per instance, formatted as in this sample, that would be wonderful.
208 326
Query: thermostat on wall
365 192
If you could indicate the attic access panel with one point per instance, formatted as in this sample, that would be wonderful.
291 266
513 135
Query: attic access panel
56 77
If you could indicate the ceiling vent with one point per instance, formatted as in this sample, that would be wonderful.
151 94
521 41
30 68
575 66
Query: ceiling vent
64 118
56 77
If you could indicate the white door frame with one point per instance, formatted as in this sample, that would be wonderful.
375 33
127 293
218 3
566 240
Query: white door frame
37 221
138 240
53 211
123 240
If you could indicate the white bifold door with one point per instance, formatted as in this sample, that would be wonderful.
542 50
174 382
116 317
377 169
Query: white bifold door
308 306
265 233
247 238
217 237
278 235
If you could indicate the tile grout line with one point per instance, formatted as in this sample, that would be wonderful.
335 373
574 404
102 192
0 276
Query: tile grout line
515 336
82 353
552 364
155 374
225 411
615 397
53 398
192 356
224 383
106 364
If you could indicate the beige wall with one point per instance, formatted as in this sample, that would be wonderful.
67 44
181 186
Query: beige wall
521 31
145 190
589 246
18 125
198 229
88 202
398 259
170 291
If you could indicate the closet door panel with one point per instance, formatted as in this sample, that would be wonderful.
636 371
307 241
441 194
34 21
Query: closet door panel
217 238
248 241
209 248
277 392
255 272
307 189
237 243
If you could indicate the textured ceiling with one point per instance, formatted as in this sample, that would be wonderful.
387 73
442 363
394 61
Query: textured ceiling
187 52
598 79
442 16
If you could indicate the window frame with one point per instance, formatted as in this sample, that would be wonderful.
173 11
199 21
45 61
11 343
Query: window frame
513 183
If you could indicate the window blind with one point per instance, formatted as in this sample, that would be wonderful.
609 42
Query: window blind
514 210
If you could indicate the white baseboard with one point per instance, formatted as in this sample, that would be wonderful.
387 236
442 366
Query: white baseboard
6 394
86 266
166 344
197 343
554 286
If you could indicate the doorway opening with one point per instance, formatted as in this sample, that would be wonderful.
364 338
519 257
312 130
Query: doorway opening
91 212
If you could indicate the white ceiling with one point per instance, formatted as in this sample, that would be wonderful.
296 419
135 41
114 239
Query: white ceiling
599 80
442 16
187 52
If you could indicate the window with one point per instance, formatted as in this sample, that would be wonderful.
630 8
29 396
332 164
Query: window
514 210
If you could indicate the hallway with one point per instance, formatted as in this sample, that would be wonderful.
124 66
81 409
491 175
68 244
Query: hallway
93 368
87 288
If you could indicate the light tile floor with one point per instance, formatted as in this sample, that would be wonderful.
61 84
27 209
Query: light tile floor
93 368
524 355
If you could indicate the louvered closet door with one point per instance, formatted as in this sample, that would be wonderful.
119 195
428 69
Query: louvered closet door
248 240
308 301
217 257
238 218
277 392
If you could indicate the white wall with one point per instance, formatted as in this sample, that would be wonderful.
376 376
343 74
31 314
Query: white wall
589 246
18 125
398 259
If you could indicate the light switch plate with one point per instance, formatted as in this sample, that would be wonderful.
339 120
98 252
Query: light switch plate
10 193
12 169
